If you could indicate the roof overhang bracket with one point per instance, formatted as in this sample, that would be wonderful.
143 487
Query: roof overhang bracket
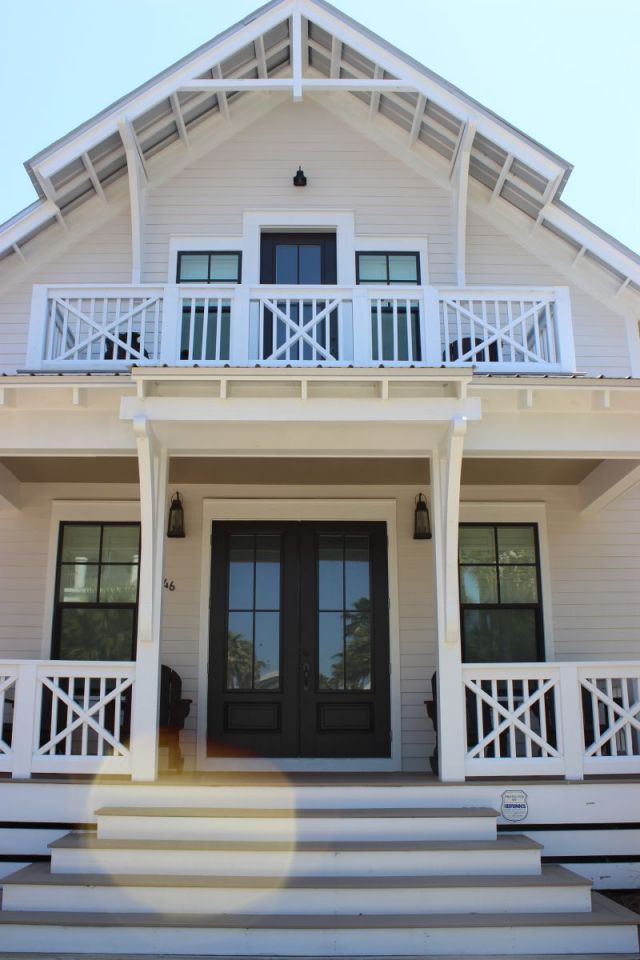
460 177
606 483
51 195
137 176
296 52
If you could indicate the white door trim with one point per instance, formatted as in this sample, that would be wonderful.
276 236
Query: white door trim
299 509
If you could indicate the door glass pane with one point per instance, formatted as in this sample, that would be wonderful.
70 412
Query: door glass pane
518 584
478 585
310 264
358 648
241 572
120 544
240 651
225 266
516 545
330 651
119 584
403 268
286 263
356 555
477 544
372 267
81 543
330 572
266 671
194 266
499 635
267 572
78 583
90 634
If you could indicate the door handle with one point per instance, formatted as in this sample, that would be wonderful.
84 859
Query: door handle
305 676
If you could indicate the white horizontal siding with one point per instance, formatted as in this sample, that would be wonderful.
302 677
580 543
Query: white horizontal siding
254 171
600 335
102 256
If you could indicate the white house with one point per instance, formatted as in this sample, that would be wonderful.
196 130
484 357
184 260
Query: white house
299 287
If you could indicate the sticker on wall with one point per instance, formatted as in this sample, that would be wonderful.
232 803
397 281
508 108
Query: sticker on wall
514 805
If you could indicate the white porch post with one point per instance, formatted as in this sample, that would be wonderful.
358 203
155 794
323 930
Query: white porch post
152 465
446 466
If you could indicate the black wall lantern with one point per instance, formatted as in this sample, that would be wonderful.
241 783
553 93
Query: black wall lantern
421 522
299 180
175 527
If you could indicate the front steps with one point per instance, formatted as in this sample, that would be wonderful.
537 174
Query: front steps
376 881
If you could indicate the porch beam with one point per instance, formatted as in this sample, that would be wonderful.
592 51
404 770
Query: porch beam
10 490
153 472
606 483
460 175
446 477
137 177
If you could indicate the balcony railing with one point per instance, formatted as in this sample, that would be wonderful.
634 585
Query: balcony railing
508 329
566 719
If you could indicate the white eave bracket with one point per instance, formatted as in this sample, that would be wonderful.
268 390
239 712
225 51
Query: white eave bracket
606 483
138 176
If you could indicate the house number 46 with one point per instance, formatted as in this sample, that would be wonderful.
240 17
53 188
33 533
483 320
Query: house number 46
169 584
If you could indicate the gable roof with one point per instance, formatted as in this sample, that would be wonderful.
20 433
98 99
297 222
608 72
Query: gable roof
309 45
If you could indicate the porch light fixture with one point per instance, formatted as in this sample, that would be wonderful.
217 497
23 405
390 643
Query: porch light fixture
175 526
299 180
421 522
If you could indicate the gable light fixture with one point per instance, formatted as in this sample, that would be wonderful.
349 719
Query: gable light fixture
421 522
175 527
299 180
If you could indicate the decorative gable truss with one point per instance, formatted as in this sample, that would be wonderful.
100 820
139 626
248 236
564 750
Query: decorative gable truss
308 48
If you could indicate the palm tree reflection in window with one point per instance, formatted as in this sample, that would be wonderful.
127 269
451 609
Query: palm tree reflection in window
351 666
240 664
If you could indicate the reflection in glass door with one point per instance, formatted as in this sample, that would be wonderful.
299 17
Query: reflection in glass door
299 640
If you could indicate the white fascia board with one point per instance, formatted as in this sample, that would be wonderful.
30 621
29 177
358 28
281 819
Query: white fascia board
591 239
510 141
23 223
73 146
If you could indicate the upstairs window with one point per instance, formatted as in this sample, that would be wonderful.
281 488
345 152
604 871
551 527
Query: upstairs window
388 268
500 598
96 602
213 266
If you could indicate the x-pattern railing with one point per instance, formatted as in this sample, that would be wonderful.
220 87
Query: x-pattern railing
298 330
470 336
116 336
612 716
7 697
82 706
513 711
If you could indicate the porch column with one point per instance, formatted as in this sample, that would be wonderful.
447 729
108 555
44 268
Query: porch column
152 466
446 466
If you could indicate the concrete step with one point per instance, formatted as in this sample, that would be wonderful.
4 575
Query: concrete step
220 823
607 930
555 890
83 852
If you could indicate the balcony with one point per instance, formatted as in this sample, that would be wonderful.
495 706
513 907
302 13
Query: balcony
506 330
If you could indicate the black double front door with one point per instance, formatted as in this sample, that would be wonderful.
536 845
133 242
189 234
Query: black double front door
299 640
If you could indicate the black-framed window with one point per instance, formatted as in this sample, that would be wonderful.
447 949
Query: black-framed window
388 267
209 266
500 595
96 598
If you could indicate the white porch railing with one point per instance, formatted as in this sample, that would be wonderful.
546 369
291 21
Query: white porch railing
508 329
65 717
567 719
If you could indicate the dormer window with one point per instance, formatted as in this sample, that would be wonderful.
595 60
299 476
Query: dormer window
209 266
388 267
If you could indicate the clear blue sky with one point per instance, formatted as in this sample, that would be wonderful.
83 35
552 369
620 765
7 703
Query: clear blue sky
564 71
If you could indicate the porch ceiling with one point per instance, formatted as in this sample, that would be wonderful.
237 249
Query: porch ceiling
356 471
